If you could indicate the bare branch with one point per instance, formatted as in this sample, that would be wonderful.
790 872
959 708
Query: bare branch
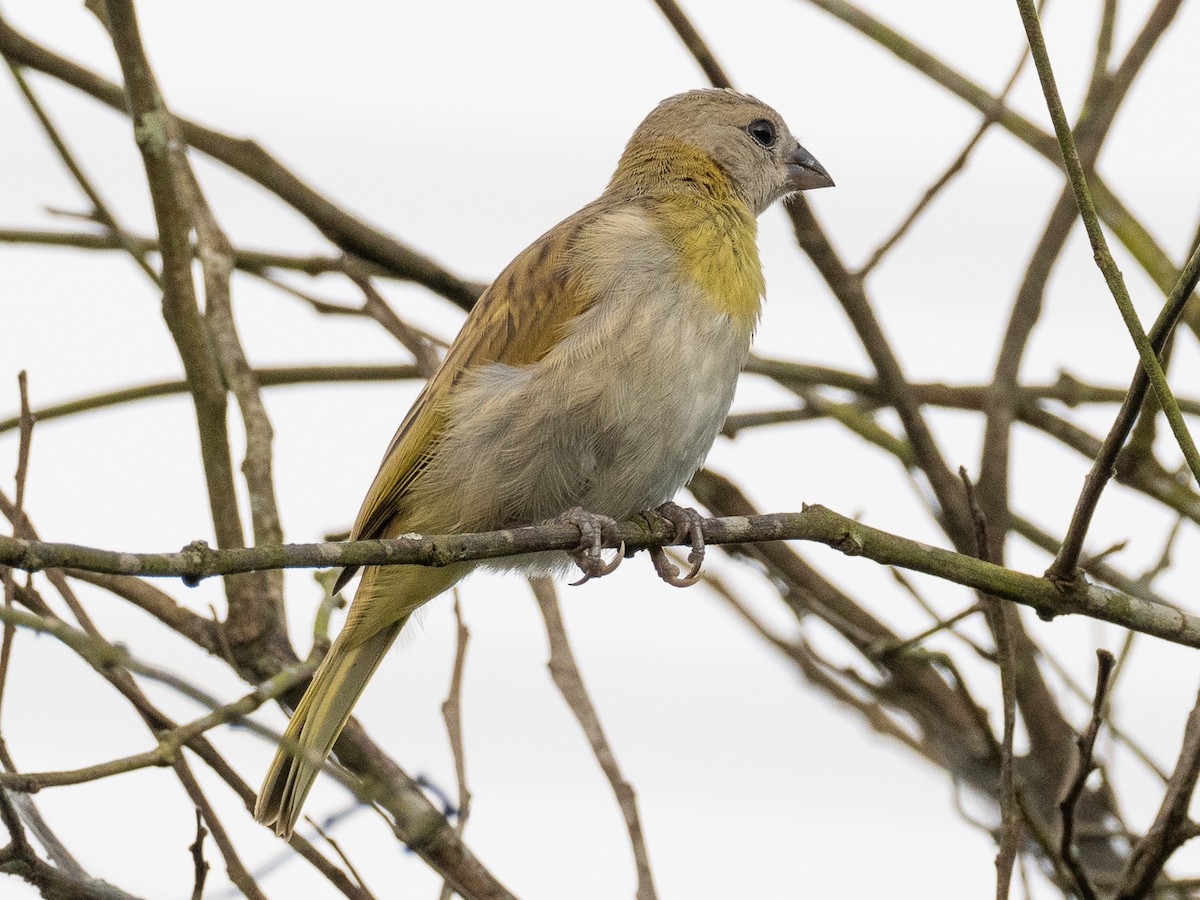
565 672
694 42
245 156
452 713
1170 828
1083 768
815 523
198 862
233 864
1006 660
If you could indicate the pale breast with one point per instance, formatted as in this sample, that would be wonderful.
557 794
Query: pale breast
616 418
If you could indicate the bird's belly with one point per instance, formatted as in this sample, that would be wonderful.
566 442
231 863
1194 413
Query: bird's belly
614 423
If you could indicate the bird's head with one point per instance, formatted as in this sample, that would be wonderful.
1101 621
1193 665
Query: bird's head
745 138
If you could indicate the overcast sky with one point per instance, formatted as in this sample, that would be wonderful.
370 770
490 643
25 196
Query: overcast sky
467 129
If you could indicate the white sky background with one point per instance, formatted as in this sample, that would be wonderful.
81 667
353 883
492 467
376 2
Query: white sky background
467 129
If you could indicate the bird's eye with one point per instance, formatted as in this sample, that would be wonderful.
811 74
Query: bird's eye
762 131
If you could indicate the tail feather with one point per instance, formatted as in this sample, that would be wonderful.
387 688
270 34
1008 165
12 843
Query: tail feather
315 726
385 599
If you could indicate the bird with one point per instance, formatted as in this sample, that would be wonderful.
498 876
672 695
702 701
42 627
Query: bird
586 385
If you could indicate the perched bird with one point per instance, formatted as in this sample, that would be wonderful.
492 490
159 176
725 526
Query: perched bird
588 384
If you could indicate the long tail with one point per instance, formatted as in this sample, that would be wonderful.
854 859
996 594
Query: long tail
385 600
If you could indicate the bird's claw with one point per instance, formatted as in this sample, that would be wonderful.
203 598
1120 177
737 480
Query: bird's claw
668 571
688 525
591 537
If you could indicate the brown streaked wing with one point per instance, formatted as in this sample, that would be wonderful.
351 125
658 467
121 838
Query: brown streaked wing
516 321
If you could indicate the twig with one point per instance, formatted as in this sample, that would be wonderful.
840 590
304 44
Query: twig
31 818
337 848
170 741
199 864
375 306
18 522
960 163
1118 733
1140 243
1104 41
565 672
1064 566
851 293
20 858
245 156
201 631
821 674
1083 768
452 714
921 637
695 44
233 863
1106 455
252 261
100 210
267 377
1042 714
1006 661
1170 828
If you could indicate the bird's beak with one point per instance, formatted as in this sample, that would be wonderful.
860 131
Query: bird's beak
805 173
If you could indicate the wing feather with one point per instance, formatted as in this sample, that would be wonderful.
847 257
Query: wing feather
516 321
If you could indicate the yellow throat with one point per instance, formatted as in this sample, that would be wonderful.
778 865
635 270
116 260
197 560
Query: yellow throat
701 215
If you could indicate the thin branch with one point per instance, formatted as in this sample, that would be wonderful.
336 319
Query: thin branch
1064 565
565 672
452 714
266 376
1104 41
1170 828
1108 452
233 864
199 864
694 42
18 521
959 164
376 307
947 624
252 261
171 741
1083 768
1049 731
19 858
1137 240
1119 735
100 210
851 292
203 632
247 157
821 674
342 855
1006 661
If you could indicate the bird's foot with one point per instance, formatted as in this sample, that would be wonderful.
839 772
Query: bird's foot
591 537
687 524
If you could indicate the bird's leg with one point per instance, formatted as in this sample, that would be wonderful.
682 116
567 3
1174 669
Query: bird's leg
687 524
591 536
